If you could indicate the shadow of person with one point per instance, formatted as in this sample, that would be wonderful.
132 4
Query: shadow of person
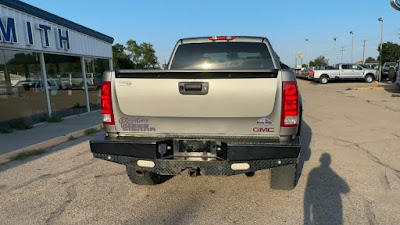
322 199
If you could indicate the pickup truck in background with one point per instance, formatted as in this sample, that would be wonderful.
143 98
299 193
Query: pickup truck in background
223 107
385 69
344 71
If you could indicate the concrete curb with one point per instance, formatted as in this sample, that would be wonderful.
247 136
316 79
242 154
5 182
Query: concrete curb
47 144
377 88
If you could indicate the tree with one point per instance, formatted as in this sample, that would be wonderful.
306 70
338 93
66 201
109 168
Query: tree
390 52
135 52
143 56
320 61
149 58
370 60
304 66
120 58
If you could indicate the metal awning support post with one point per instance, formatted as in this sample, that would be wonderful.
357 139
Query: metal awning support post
110 62
45 84
85 86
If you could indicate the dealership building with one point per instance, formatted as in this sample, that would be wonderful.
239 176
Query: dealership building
49 66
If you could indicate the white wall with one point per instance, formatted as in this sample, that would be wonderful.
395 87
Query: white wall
80 44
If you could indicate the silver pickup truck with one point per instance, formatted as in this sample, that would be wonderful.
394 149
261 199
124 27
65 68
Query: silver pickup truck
223 107
344 72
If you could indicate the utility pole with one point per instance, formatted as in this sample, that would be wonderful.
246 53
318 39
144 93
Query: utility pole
326 55
363 57
380 50
352 45
342 53
334 51
308 44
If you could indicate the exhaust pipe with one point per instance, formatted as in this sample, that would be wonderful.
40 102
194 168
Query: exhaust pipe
140 172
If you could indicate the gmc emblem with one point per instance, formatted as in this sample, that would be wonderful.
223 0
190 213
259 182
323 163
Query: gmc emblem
263 129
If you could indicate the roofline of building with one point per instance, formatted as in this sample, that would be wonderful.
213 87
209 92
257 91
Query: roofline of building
40 13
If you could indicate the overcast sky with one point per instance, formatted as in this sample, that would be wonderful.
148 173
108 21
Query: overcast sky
285 23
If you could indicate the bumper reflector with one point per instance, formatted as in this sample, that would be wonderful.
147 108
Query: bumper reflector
240 166
145 163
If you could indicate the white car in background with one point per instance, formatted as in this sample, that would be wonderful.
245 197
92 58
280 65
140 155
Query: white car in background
37 85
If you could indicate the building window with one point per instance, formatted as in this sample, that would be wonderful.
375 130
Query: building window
22 96
94 75
67 93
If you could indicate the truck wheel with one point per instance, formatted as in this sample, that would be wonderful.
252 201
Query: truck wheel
284 177
369 78
323 79
140 177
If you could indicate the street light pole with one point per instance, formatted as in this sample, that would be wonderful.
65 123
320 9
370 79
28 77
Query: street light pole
334 52
308 44
352 45
380 50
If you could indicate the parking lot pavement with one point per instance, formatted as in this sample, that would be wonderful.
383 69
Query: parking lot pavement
350 174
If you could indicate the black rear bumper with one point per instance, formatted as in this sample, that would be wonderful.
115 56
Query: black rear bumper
258 156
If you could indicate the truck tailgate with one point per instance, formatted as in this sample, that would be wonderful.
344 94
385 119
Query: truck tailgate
231 99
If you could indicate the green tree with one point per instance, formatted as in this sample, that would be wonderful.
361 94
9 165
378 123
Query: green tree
149 58
143 56
390 52
120 58
135 53
370 60
320 61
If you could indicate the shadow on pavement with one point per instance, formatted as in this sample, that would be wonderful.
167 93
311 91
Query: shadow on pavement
390 87
322 198
62 146
305 151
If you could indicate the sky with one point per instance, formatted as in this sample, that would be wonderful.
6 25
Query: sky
286 23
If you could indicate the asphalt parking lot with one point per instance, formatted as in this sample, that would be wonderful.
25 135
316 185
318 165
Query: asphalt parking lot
350 174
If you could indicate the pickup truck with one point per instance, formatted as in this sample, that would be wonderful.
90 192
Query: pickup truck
344 71
223 107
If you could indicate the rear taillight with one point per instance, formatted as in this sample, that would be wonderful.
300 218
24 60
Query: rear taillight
313 73
290 104
106 104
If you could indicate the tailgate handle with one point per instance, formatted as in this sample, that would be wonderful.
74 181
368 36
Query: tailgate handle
193 88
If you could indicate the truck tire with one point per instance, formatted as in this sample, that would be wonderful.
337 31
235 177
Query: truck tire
283 177
369 78
323 79
141 177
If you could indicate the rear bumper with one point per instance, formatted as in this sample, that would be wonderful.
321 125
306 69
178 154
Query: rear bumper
257 156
